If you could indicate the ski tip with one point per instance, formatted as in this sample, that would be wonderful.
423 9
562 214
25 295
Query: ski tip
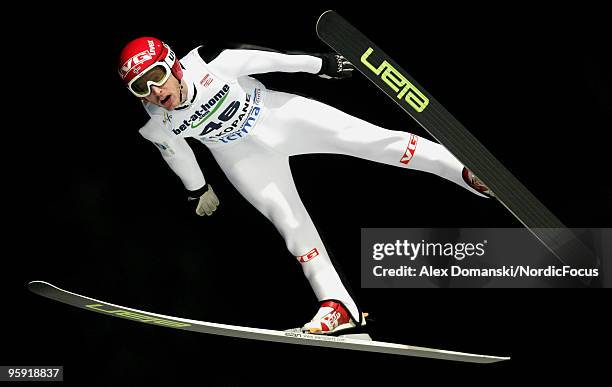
324 15
36 286
328 12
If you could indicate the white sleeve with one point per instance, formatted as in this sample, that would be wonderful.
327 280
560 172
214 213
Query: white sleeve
177 153
235 63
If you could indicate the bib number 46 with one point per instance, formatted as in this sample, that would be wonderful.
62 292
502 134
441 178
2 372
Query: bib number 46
227 115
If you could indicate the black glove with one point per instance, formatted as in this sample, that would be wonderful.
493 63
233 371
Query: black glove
335 67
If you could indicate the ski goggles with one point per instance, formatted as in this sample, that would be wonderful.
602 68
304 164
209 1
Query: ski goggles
156 75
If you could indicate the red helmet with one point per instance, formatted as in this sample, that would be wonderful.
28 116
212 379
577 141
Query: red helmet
147 61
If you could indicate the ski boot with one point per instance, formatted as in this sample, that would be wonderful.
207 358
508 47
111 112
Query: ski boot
333 319
477 184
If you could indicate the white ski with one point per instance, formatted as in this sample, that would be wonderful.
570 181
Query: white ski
291 337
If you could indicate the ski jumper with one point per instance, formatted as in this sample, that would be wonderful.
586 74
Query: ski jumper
251 132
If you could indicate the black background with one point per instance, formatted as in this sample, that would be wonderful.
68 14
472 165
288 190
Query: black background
92 207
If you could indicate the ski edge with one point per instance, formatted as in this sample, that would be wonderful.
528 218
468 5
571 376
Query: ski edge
53 292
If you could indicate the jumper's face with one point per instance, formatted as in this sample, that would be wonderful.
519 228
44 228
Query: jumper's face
167 95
